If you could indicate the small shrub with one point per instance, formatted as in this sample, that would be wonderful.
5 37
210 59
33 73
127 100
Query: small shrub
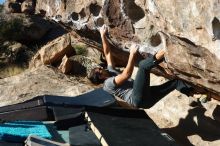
80 50
12 29
11 70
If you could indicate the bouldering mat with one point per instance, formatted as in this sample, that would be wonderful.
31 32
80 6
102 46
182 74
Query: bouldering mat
26 114
29 110
82 135
96 98
18 131
130 127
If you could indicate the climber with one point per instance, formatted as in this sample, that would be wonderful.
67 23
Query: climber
138 92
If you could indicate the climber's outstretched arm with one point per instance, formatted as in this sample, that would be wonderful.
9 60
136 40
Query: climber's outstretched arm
106 47
127 72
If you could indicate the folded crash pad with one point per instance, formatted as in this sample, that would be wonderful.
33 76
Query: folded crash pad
128 127
96 98
29 110
30 114
18 131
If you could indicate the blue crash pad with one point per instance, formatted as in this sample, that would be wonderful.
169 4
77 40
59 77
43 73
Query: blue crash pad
18 131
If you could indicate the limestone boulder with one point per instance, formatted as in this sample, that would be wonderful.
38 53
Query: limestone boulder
40 81
53 52
66 65
147 22
193 63
185 119
77 65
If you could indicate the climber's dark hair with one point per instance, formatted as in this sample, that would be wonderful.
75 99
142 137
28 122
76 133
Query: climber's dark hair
94 76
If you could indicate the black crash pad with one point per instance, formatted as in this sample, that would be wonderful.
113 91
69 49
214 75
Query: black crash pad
96 98
36 113
117 127
2 143
67 117
36 102
82 136
29 110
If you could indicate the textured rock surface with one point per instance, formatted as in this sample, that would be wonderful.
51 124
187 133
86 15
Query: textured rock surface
82 65
40 81
54 51
66 65
77 65
188 26
197 64
188 122
23 28
28 7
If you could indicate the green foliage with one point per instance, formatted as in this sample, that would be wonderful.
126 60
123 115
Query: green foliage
12 29
80 50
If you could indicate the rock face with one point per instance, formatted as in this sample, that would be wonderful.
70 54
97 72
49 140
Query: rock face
20 6
197 64
54 51
191 30
77 65
39 81
68 55
28 7
189 122
23 28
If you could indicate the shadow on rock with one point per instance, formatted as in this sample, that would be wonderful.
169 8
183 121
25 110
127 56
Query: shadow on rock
196 123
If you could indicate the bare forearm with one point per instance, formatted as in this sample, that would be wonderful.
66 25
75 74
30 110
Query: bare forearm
130 65
126 74
107 51
105 44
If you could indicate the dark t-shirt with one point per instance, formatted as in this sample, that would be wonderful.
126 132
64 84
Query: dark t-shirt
123 91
